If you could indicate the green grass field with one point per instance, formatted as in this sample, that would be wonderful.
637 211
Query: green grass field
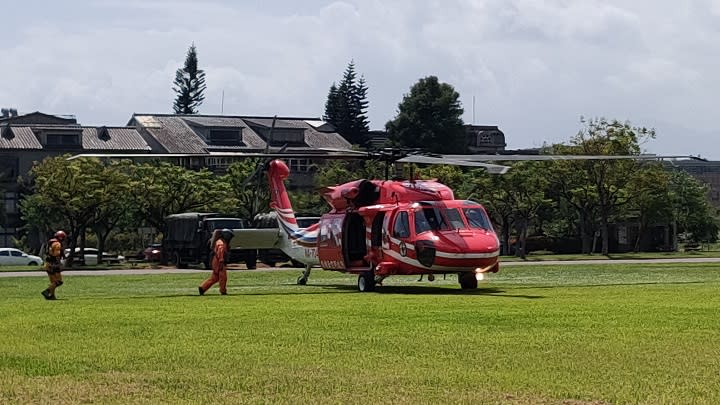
548 334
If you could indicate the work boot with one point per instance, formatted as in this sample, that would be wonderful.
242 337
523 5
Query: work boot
52 298
46 294
201 291
223 293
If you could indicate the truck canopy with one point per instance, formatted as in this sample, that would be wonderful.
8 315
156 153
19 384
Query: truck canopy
184 227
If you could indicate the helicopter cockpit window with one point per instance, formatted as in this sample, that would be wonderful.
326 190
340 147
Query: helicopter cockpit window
429 219
421 223
477 218
454 218
401 228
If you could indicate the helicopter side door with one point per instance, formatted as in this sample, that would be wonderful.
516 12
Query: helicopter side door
398 237
330 242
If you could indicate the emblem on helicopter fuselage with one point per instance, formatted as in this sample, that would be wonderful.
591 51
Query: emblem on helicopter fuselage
403 249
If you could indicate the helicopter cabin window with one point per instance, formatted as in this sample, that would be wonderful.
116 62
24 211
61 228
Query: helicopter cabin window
477 218
401 228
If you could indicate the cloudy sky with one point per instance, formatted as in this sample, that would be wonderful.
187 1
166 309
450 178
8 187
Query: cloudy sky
532 67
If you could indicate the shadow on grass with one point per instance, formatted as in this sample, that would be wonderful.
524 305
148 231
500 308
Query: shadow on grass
545 287
430 290
347 289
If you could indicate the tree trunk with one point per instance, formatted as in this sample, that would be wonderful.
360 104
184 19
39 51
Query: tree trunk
522 238
604 232
506 237
585 236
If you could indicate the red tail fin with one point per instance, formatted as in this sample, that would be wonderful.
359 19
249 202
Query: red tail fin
280 201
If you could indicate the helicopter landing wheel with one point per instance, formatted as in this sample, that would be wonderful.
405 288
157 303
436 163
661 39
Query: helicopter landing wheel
366 281
302 280
467 281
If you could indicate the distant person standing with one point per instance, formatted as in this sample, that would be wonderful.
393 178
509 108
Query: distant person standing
220 244
53 264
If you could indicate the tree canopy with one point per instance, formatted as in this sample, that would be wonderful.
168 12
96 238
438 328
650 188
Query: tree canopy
429 117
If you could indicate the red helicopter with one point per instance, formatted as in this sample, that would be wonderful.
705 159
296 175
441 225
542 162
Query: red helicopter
380 228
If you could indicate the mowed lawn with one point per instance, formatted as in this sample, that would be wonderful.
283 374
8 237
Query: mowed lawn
543 334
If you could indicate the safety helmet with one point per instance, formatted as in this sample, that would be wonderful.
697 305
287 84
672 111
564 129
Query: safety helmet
227 233
60 235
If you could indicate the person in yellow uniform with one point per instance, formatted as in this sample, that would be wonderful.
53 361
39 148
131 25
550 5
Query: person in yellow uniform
53 264
220 244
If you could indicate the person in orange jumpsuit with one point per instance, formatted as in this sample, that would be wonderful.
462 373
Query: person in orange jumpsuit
53 265
220 244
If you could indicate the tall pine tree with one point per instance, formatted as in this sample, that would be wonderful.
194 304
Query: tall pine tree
189 85
346 107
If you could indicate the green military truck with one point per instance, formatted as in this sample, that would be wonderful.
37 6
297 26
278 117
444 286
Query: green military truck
187 239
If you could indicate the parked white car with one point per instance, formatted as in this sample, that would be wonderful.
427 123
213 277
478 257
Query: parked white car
16 257
91 254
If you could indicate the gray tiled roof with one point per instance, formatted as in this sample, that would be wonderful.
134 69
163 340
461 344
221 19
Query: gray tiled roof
212 121
175 133
279 123
126 139
23 138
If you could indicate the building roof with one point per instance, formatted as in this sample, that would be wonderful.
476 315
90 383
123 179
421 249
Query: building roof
113 138
179 133
12 137
93 139
172 133
39 118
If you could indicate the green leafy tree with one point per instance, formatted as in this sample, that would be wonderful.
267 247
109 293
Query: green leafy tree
346 107
652 201
514 200
692 211
161 189
249 196
429 117
115 207
67 193
189 85
604 183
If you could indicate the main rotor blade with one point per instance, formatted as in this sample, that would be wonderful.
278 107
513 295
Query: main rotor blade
495 158
492 169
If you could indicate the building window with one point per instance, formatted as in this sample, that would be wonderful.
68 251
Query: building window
225 136
10 203
8 169
219 163
62 140
300 165
289 137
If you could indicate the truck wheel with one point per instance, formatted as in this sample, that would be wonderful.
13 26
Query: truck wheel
251 260
177 260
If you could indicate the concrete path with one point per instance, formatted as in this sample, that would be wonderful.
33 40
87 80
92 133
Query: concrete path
502 264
